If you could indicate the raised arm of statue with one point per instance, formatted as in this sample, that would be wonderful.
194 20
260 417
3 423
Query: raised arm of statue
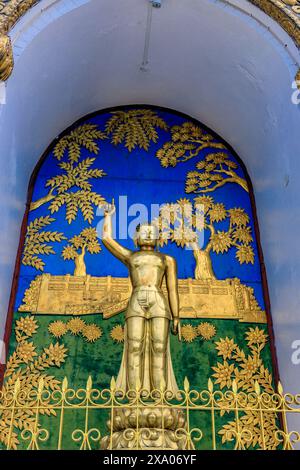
172 287
109 242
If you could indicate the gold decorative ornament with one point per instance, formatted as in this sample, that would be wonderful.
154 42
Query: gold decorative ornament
206 330
25 369
117 334
180 223
77 247
297 79
75 325
216 170
58 329
247 373
189 333
71 295
148 422
36 242
135 128
83 199
187 141
91 332
85 136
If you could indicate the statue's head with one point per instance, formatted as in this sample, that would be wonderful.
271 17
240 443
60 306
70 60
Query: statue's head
146 235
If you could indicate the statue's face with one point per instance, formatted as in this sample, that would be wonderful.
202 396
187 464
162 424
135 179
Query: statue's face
147 236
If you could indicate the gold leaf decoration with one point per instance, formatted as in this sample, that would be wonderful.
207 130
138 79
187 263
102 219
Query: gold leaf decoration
246 373
216 170
58 329
75 176
88 241
206 330
91 333
135 128
25 369
187 141
85 136
182 223
117 334
189 333
36 242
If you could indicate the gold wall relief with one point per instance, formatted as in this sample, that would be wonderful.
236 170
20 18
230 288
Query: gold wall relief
245 372
75 175
183 222
135 128
37 242
83 295
86 241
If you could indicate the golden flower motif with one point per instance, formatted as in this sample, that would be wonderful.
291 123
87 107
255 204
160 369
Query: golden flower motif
58 328
189 333
117 334
27 325
256 336
206 330
225 347
26 351
223 374
250 365
91 332
75 325
56 353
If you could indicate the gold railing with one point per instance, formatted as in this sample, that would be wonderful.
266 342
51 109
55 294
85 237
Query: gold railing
66 417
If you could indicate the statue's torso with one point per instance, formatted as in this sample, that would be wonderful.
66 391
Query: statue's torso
147 270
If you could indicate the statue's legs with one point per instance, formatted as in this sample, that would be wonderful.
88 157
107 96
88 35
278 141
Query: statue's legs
135 345
159 342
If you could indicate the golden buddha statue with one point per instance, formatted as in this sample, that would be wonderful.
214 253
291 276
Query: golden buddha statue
146 357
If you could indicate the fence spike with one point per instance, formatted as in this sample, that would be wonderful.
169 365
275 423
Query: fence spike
89 383
41 385
257 388
17 386
112 384
234 386
186 384
280 388
65 384
210 385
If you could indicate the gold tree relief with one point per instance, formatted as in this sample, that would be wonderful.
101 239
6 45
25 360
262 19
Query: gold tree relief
87 241
213 172
37 242
24 370
74 176
85 136
184 222
187 141
245 370
135 128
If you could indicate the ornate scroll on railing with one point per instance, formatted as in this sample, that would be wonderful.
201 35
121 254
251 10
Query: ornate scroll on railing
89 418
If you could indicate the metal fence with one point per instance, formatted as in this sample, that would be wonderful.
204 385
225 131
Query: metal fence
193 419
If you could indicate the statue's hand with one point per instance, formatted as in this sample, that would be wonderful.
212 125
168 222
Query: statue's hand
109 209
176 326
